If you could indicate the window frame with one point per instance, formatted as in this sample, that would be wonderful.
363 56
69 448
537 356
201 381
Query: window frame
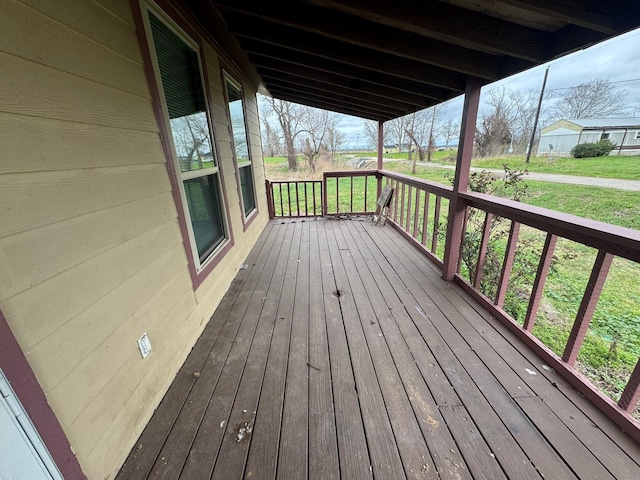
227 79
199 268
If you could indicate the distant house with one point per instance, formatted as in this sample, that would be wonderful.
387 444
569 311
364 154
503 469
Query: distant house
391 148
560 137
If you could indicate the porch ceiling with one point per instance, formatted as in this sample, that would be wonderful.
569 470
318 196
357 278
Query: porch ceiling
380 59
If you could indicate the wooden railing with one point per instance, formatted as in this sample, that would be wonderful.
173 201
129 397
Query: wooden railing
353 192
420 211
607 240
297 198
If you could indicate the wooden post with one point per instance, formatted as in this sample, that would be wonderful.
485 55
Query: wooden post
457 206
380 152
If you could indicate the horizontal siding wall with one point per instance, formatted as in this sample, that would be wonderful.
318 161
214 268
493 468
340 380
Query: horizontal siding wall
91 253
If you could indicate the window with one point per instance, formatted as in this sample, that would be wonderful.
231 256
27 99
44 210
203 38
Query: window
637 135
177 61
605 136
241 145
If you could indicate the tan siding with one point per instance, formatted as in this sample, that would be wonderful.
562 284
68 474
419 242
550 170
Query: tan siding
89 19
33 256
91 254
37 199
67 97
65 145
33 36
120 9
48 305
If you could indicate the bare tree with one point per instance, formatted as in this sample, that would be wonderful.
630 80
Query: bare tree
316 126
397 130
289 116
335 138
370 130
271 140
598 98
508 122
450 130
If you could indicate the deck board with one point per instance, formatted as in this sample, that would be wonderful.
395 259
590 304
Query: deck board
347 356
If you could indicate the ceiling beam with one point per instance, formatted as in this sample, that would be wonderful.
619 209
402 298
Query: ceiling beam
362 86
315 91
355 31
274 34
572 38
448 23
591 14
267 51
296 98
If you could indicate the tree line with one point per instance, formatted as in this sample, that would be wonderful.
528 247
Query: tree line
504 126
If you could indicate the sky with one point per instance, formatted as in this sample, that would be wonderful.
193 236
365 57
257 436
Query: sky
617 59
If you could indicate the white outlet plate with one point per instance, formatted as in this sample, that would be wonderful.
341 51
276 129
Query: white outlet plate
144 345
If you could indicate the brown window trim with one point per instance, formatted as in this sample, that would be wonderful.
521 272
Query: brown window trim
26 386
197 277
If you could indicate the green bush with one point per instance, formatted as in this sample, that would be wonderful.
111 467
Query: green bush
590 150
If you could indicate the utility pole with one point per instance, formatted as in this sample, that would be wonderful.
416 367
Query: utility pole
535 122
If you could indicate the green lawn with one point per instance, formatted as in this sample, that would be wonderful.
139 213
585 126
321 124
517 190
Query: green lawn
606 167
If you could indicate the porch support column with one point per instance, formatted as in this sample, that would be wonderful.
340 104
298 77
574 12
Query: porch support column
457 206
380 150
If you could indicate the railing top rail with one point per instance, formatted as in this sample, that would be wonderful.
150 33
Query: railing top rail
442 190
620 241
293 181
350 173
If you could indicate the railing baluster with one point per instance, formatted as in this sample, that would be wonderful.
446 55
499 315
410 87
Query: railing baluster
538 283
587 306
631 395
297 198
402 205
351 195
337 195
482 255
465 220
417 214
425 218
408 219
281 200
289 196
313 188
306 201
436 224
395 201
366 192
507 264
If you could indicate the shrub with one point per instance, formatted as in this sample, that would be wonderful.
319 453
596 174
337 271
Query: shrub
588 150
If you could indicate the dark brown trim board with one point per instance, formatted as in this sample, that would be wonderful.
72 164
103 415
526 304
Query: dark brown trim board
24 382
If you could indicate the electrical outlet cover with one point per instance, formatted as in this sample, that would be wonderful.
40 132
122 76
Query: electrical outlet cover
144 345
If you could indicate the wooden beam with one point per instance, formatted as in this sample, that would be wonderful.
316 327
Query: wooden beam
592 14
295 97
356 31
264 51
449 23
457 205
248 27
364 87
572 38
333 93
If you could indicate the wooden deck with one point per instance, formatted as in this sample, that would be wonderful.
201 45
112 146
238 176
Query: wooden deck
339 352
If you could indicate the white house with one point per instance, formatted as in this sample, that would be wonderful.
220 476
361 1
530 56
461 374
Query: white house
560 137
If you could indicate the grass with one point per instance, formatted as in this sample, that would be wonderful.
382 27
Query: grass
627 168
612 346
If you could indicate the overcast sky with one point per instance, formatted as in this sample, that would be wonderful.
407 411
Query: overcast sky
617 59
